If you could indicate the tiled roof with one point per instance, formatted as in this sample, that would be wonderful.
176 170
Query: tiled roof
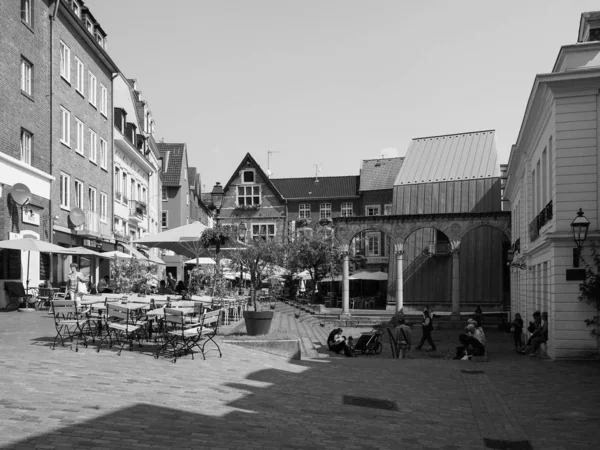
377 174
247 162
173 155
451 157
326 187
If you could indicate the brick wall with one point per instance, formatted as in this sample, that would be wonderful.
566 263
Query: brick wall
65 158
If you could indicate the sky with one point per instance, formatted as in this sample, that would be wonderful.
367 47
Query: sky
325 84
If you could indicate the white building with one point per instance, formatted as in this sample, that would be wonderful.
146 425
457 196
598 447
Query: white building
553 171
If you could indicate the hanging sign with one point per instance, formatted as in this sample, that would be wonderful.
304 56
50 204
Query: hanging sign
31 217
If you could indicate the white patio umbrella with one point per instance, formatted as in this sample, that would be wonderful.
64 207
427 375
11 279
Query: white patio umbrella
201 261
379 276
32 245
183 240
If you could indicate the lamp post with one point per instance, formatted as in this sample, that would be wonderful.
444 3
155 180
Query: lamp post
579 226
217 195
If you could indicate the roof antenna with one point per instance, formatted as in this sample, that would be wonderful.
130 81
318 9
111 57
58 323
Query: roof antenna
318 170
269 153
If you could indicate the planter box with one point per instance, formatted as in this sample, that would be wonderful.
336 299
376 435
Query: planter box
258 322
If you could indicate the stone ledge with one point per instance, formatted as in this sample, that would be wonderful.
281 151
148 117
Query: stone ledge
289 348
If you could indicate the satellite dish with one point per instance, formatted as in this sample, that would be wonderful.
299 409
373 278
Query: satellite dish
77 216
20 194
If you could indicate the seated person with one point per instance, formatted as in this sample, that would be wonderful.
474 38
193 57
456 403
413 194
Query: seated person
535 328
403 337
541 337
180 287
475 330
469 346
104 285
337 343
163 289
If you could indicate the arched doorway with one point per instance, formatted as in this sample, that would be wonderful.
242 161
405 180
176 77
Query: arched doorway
484 275
427 269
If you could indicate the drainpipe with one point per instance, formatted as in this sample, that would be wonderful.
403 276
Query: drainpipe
112 147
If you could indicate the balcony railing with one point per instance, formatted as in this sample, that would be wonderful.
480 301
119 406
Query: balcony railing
539 221
94 225
137 210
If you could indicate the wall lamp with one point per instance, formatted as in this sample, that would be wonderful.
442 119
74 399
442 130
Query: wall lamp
510 256
580 226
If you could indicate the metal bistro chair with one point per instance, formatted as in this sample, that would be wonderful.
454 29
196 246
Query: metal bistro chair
70 322
123 325
178 333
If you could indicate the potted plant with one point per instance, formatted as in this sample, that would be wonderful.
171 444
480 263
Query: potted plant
257 257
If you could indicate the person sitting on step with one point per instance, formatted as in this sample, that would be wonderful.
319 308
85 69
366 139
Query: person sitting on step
338 343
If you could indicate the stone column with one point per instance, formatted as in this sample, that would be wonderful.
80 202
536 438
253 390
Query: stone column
455 280
345 282
399 277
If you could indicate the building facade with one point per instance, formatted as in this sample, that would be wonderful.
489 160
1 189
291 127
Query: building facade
553 171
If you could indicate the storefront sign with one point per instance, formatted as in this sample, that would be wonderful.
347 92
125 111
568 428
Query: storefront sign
31 217
89 243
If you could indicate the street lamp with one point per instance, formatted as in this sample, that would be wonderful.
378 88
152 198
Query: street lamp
580 227
217 195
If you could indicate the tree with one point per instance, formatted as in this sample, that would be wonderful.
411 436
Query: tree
259 257
590 290
314 250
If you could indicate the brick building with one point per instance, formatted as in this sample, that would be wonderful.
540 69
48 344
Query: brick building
81 138
24 133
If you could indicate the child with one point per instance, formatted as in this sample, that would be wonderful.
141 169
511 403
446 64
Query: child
517 329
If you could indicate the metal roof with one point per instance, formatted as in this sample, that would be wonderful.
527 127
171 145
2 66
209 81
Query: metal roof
379 174
451 157
325 187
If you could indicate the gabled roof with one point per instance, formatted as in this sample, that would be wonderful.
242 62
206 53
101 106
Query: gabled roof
378 174
247 162
326 187
173 156
450 157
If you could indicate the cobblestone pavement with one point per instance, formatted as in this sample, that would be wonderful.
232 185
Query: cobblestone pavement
64 399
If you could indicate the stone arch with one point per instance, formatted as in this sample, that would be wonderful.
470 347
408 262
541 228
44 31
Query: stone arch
484 275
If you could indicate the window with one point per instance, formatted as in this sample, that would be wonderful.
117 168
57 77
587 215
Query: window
92 88
65 61
143 199
103 207
132 190
165 219
264 230
248 195
387 209
372 210
248 176
79 194
79 84
103 154
27 12
117 183
124 187
89 25
80 136
65 127
304 211
93 143
92 198
325 211
347 209
65 191
26 76
373 244
76 9
26 144
164 194
103 100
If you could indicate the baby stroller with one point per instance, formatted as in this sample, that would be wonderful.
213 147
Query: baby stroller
369 343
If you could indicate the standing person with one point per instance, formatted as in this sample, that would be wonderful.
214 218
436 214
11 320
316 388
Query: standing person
73 282
171 282
517 329
403 338
478 316
427 328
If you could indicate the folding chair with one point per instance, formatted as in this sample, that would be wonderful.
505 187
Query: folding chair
15 291
210 326
122 324
69 322
178 333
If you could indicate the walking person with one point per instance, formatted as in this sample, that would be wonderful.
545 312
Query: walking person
403 338
427 328
76 282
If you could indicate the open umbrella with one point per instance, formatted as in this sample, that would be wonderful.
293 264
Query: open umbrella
32 245
201 261
379 276
183 240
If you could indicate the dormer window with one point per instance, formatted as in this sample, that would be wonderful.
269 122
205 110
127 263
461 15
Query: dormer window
594 35
89 25
76 9
248 176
